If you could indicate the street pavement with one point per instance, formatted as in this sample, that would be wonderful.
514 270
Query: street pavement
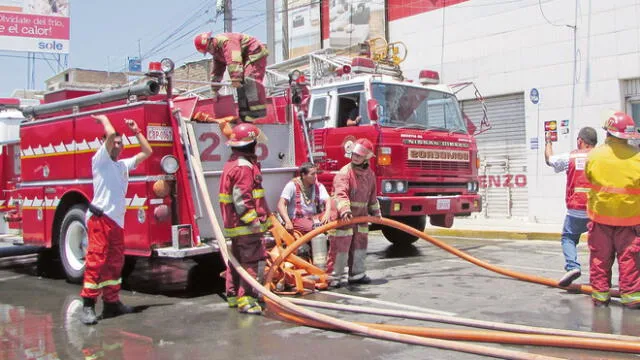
182 315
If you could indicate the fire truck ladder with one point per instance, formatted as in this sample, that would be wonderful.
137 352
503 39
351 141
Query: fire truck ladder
318 66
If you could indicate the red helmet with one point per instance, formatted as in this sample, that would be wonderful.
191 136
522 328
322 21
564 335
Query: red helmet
363 147
621 125
201 41
243 134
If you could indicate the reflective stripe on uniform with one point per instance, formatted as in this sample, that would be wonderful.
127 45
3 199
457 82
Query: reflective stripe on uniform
257 107
630 298
615 190
235 68
245 230
363 229
341 232
221 39
258 193
225 198
375 206
601 296
343 203
245 40
581 189
93 286
255 57
359 204
249 216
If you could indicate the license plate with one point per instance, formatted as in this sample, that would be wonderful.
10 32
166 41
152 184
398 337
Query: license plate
443 204
159 133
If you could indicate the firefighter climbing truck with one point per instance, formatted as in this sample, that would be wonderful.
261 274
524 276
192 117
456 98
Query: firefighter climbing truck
426 160
47 180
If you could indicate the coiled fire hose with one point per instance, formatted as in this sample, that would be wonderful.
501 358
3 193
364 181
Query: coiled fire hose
290 311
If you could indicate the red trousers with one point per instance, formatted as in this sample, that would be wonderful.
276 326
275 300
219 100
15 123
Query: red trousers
105 257
250 252
605 243
348 246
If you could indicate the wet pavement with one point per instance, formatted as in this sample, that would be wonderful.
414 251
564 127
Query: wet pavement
181 313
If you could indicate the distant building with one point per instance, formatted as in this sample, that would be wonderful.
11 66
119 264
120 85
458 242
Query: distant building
86 79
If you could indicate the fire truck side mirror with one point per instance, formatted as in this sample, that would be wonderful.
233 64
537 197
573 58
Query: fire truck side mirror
372 109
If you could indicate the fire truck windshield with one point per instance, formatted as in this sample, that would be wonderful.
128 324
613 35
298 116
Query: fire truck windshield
404 106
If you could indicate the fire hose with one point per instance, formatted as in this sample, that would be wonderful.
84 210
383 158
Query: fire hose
410 335
559 338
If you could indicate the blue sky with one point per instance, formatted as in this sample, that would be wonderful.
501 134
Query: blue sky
105 33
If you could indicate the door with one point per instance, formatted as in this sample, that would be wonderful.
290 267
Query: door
503 156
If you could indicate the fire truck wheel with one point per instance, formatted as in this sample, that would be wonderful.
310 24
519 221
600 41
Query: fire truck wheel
73 243
399 237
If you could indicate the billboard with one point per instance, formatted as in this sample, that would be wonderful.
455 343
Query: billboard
354 21
35 25
303 27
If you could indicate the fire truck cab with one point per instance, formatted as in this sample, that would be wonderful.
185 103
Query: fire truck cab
426 160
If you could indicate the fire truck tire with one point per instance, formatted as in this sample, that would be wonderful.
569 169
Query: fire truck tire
399 237
73 243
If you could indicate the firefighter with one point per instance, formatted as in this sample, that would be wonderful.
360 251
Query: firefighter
305 203
245 57
244 213
575 222
105 222
354 188
614 210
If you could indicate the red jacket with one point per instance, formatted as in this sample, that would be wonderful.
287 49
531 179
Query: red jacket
241 197
577 184
354 189
235 51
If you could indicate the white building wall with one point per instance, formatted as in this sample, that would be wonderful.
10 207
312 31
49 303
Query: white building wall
509 47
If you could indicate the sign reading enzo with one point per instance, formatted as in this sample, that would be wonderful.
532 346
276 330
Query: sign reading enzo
438 155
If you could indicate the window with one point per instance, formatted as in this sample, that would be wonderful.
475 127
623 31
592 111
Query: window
319 108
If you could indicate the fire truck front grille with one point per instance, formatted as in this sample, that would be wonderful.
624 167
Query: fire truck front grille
439 165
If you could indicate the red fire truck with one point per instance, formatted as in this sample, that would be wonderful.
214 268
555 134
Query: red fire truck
47 189
426 156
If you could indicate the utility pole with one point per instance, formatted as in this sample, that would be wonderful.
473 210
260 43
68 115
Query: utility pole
228 17
285 29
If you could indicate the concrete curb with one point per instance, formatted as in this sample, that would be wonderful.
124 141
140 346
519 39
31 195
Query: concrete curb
497 234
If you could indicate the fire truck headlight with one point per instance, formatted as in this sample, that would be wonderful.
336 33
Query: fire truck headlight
169 164
472 186
387 186
167 65
142 216
401 186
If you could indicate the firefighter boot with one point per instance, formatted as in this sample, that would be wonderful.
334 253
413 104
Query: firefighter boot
88 316
249 305
115 309
341 261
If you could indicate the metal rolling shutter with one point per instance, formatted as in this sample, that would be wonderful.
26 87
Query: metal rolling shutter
503 156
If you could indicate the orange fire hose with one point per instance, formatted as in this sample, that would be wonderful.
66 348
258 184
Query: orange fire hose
597 345
318 318
455 320
586 289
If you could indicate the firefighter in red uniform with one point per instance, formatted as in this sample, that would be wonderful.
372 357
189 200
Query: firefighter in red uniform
105 222
575 223
244 213
614 209
245 57
354 192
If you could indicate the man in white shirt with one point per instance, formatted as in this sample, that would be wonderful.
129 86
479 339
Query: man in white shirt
575 223
105 222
